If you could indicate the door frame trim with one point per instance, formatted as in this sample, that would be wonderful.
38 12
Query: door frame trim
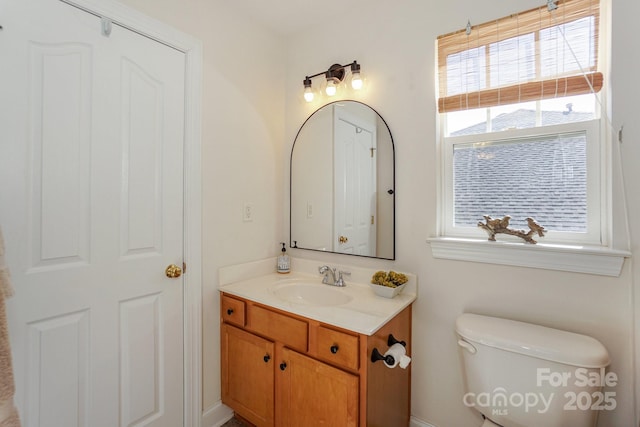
192 283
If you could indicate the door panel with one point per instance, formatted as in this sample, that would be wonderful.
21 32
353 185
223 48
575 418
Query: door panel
58 359
142 125
355 184
60 83
92 213
140 373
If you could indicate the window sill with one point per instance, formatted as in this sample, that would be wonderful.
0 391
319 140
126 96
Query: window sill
580 259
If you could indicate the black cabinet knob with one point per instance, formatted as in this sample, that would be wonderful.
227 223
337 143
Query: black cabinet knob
266 358
334 349
230 311
283 366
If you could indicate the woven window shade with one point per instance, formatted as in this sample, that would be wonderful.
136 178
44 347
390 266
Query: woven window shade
528 56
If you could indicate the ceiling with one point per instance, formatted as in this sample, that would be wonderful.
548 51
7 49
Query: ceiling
287 17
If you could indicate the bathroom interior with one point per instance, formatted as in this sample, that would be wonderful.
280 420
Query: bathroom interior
255 56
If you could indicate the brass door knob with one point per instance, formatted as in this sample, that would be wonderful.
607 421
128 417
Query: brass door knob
173 271
343 239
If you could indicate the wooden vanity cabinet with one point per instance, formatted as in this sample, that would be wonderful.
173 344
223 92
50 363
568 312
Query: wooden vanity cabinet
284 370
313 393
248 374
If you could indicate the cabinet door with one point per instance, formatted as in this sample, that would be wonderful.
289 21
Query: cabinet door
311 393
247 375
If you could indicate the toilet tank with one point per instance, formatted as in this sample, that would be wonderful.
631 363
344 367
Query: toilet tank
523 375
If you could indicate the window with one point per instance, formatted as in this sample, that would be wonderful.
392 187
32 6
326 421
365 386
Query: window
520 124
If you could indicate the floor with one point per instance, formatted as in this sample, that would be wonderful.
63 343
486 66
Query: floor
233 422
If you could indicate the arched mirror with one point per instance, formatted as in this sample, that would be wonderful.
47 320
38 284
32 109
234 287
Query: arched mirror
343 182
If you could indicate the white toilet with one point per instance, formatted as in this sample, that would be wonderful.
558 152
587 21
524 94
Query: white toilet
523 375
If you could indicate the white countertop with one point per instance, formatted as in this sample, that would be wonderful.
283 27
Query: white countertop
365 313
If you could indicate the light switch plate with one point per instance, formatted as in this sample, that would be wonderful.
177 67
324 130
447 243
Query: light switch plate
247 212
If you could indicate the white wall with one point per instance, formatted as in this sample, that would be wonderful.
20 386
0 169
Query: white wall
242 138
248 130
396 50
312 183
626 92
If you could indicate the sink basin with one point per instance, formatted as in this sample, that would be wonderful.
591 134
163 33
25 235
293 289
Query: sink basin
311 294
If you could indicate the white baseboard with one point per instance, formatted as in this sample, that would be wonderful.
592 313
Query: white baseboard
219 413
216 415
419 423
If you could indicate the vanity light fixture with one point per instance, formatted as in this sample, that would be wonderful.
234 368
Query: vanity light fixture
308 92
334 76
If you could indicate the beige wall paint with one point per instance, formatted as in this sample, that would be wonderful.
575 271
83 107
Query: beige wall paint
248 130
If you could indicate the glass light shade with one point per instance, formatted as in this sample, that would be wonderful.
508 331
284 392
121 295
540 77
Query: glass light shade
356 80
308 94
331 87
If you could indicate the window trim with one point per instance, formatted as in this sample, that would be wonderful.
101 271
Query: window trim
597 183
601 259
572 258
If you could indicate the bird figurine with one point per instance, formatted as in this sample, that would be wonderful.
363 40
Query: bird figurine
494 226
535 227
492 223
504 222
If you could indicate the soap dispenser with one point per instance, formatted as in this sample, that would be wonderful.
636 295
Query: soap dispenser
284 264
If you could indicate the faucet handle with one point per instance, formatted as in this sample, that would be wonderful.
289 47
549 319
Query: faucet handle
340 280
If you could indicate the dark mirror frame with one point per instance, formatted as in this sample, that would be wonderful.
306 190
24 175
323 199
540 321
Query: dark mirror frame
391 191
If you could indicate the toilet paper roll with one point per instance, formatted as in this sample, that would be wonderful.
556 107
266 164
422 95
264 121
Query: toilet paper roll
399 354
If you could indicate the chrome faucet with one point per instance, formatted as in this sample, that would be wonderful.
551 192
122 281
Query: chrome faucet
330 276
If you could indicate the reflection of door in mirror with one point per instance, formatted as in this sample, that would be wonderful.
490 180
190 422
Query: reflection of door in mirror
354 183
343 182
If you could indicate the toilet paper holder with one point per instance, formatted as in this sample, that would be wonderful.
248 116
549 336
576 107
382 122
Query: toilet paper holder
376 355
392 340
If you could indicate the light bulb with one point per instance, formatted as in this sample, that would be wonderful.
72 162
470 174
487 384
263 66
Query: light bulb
308 94
331 87
356 80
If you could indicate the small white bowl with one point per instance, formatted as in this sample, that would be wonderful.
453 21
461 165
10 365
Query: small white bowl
386 291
